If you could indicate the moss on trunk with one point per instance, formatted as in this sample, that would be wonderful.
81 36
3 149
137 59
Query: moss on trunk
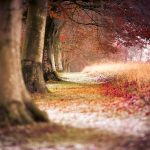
33 46
51 75
53 29
33 76
15 113
15 105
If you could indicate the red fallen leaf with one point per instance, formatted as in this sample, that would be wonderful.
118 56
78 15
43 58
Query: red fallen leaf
147 113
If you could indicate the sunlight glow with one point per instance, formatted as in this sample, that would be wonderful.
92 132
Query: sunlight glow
108 67
137 72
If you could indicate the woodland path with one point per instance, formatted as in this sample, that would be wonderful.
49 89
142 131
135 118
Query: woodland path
80 105
89 123
79 77
82 108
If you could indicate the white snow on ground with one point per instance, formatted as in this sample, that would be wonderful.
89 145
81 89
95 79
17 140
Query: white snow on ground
126 126
136 126
66 146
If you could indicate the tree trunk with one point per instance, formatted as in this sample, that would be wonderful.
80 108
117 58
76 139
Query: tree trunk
58 57
58 52
53 29
55 51
58 26
33 46
15 104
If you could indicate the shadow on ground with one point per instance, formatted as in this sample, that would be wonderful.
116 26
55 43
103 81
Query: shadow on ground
55 137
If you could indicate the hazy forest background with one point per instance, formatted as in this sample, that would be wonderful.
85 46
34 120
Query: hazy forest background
74 75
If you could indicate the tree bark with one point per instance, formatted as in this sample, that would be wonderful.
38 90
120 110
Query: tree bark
15 103
55 51
33 46
58 51
53 29
58 57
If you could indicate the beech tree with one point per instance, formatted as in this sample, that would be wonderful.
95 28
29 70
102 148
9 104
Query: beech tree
123 22
33 46
52 53
115 17
55 27
58 50
15 103
126 20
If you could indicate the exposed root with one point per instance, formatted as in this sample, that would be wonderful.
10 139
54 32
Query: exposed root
18 113
52 76
37 115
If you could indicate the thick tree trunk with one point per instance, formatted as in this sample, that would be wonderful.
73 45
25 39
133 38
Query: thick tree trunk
58 58
15 104
33 46
55 51
58 51
53 29
58 26
48 59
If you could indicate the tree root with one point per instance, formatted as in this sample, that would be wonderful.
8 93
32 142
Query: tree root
52 76
19 113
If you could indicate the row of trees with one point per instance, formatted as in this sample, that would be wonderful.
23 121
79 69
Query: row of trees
83 45
45 20
16 106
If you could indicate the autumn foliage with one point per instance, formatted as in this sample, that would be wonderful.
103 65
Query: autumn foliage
129 84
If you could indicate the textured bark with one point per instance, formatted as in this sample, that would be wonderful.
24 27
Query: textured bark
58 58
58 25
33 76
33 46
58 51
15 103
51 49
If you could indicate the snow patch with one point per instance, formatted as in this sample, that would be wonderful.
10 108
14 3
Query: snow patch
127 126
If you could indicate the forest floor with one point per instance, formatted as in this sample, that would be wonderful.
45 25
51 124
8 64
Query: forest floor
83 117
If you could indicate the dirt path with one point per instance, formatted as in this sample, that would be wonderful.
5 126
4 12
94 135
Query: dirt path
82 106
79 77
86 121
